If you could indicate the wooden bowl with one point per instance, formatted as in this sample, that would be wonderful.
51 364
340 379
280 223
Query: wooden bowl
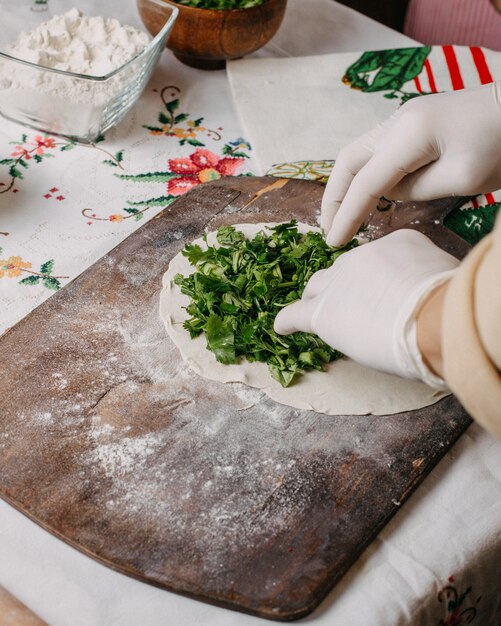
206 38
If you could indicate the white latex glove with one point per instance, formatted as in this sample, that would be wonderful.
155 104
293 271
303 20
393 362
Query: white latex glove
365 304
445 144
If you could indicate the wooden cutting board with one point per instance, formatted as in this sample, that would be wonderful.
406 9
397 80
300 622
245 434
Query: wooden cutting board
214 491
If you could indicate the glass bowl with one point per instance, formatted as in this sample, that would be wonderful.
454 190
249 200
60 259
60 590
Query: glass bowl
59 102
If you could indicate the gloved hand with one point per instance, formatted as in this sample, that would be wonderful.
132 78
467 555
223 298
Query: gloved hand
365 304
433 146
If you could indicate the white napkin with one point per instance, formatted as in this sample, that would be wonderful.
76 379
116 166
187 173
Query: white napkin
294 109
299 108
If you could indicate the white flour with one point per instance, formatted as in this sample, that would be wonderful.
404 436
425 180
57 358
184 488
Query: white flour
77 43
91 46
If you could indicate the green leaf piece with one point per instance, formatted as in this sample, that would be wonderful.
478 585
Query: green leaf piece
195 142
240 285
220 339
160 201
399 66
284 376
15 173
47 267
172 106
148 177
228 235
409 96
221 4
386 70
51 283
30 280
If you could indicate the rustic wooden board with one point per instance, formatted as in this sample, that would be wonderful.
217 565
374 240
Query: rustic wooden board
215 491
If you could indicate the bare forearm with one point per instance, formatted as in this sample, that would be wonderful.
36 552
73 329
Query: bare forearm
429 329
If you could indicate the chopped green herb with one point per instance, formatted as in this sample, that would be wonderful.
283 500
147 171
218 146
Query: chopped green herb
239 287
220 4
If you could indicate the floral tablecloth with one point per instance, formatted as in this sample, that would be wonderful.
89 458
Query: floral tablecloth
64 205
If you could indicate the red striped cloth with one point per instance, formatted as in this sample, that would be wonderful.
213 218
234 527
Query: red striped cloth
454 67
460 22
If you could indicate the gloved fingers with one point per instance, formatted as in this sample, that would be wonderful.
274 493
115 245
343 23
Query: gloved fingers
436 180
349 162
296 317
317 283
382 172
420 252
411 255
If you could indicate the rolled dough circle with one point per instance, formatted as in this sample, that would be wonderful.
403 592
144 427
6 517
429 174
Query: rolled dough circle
345 388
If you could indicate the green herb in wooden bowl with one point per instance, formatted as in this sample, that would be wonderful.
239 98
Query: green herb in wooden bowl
209 32
239 287
221 4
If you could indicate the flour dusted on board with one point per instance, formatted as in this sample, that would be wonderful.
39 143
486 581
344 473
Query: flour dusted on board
88 45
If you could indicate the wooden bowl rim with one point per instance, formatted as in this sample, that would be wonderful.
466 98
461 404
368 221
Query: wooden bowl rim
187 8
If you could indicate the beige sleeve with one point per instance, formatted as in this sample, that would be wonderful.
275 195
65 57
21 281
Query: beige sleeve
14 613
471 333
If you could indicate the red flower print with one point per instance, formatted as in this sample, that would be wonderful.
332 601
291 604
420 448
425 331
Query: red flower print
44 142
204 158
36 146
19 151
40 143
229 165
182 166
178 186
200 167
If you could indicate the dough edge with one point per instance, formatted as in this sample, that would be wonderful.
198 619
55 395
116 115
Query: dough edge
345 388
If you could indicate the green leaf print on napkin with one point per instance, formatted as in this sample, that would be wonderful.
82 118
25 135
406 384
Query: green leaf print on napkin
387 70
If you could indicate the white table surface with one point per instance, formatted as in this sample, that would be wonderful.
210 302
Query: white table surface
386 586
